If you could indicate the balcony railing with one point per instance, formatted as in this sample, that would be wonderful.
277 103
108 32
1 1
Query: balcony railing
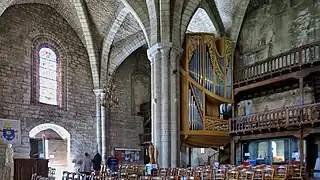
275 119
303 55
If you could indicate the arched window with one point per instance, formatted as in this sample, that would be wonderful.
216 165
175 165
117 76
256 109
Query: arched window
48 76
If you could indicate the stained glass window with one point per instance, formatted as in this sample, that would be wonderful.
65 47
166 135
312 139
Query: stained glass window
48 76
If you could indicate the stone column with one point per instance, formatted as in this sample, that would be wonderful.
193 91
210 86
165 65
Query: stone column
103 131
154 57
152 115
166 108
98 92
175 106
232 152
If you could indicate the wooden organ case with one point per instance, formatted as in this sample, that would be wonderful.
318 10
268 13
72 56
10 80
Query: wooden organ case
206 83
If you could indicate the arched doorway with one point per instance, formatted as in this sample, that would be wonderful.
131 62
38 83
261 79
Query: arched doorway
51 141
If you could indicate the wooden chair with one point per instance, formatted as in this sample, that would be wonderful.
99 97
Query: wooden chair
242 173
171 174
207 173
296 172
188 174
34 176
281 172
132 173
197 173
180 173
249 175
219 174
233 175
259 174
268 173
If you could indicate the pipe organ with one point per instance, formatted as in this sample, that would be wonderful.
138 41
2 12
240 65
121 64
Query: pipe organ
206 83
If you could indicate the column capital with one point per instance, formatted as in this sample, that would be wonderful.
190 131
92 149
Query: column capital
153 51
98 92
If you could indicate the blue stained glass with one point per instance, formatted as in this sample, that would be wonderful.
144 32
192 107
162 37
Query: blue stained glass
48 84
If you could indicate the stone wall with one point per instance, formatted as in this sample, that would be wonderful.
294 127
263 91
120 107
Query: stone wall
203 156
132 80
274 101
19 26
278 27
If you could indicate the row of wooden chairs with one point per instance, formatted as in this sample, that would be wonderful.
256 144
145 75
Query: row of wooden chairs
38 177
226 172
52 171
266 172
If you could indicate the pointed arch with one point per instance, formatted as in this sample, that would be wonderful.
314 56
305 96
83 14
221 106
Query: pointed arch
123 49
142 18
201 22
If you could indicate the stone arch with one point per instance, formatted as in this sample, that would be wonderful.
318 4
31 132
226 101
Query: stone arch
58 129
122 52
238 20
63 10
142 18
75 16
187 14
108 40
201 22
153 14
63 57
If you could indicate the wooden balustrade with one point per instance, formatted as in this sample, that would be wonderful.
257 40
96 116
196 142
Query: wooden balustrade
215 124
278 118
298 57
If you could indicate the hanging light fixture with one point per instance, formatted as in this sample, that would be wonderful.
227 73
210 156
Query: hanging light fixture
109 100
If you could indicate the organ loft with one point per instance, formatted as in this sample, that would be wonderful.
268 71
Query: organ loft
206 84
159 89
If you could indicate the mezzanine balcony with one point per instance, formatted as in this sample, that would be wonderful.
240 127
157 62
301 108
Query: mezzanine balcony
293 60
276 119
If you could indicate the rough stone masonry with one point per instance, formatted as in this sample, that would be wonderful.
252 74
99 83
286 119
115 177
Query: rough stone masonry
21 28
274 28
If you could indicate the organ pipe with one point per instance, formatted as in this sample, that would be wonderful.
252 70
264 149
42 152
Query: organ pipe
209 78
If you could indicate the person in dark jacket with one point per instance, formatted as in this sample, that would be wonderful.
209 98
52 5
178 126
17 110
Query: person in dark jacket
112 162
96 162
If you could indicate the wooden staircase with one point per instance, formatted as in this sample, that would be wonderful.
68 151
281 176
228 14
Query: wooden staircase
224 154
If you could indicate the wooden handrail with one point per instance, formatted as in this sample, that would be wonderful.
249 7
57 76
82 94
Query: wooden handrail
293 58
278 118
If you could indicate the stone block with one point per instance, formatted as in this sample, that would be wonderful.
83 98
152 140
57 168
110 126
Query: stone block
21 25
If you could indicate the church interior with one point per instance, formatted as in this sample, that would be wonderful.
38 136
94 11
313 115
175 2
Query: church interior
170 89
